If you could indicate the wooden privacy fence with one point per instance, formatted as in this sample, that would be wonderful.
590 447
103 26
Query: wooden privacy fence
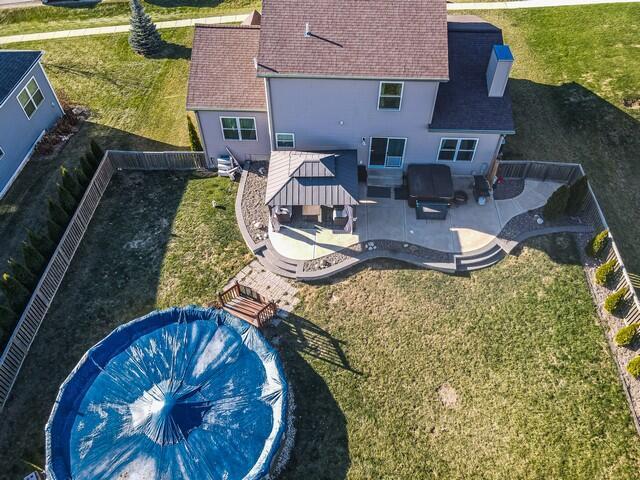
27 327
592 212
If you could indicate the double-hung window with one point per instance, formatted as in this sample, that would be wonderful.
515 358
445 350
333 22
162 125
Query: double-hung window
390 95
239 128
386 152
457 149
30 97
285 140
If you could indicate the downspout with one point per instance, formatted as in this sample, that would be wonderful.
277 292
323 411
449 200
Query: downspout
267 91
493 170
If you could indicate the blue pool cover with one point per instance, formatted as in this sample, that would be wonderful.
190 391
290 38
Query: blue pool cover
184 393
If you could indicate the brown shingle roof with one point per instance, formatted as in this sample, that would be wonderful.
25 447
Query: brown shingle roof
354 38
222 74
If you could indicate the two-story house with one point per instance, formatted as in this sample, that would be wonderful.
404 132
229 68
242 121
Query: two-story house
28 107
375 86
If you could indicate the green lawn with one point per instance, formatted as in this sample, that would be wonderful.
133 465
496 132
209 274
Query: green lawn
136 104
155 241
46 19
530 387
574 69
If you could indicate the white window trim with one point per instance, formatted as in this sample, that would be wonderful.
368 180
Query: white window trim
380 95
459 141
404 151
293 136
24 89
237 119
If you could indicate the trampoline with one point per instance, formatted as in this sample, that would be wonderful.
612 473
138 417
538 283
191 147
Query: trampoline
188 393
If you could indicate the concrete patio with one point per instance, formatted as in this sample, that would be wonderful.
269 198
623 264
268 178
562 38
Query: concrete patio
466 228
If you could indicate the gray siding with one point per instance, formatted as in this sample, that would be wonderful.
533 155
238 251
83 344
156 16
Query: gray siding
214 143
337 114
17 132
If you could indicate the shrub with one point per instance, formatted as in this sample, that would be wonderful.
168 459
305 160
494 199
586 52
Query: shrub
577 195
33 259
196 145
597 244
615 300
605 272
634 366
67 201
22 274
97 152
57 213
70 183
41 242
625 335
82 179
557 203
16 293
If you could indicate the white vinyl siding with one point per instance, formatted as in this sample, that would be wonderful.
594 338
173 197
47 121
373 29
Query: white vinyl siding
457 149
387 152
238 128
390 95
30 98
285 140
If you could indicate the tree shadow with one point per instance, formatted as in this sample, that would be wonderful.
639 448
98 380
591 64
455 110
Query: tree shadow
173 51
570 123
321 447
185 3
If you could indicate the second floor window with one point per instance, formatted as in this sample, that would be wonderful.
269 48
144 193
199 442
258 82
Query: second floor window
390 97
239 128
30 98
285 140
457 149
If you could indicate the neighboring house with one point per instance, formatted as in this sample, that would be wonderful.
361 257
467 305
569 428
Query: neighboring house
396 82
28 107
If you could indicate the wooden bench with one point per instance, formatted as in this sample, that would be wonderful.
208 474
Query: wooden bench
247 304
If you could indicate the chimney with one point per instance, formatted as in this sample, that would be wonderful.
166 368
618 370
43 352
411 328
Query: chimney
498 70
307 32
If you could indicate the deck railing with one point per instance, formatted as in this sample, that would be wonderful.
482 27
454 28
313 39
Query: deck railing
568 172
16 350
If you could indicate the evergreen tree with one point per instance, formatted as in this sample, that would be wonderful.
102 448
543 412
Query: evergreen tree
16 293
196 145
33 259
557 203
70 184
58 214
577 195
96 151
54 231
87 165
42 243
82 179
67 201
143 36
22 274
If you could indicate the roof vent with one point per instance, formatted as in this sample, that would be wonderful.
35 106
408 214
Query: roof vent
307 31
498 70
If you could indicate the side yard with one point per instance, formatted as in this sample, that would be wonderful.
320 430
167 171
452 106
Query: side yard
108 12
155 241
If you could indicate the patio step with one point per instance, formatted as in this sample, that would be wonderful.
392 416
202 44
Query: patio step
275 263
480 260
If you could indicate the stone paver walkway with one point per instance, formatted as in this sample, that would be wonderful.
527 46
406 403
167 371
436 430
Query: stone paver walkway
269 285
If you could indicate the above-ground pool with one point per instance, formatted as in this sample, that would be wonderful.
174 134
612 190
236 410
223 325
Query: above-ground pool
184 393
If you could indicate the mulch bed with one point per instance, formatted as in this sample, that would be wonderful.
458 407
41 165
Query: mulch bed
254 211
527 222
611 324
511 188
